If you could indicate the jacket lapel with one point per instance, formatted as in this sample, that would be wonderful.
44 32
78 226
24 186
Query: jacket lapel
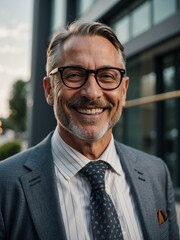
141 189
41 193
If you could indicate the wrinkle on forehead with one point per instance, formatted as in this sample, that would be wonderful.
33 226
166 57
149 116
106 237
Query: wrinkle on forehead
80 46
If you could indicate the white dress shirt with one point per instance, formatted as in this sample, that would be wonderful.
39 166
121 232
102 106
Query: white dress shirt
74 191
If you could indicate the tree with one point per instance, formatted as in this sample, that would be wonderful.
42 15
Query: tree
18 106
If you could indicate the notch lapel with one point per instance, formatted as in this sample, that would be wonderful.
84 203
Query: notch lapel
41 193
141 189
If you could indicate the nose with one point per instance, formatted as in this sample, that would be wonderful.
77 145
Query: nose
91 89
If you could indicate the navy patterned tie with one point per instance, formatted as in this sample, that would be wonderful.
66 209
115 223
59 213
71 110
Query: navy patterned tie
104 218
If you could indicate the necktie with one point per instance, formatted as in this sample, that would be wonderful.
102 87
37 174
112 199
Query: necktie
104 218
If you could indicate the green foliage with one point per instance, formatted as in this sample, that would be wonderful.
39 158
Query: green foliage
18 106
9 149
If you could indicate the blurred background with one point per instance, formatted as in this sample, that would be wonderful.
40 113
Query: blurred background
150 33
15 71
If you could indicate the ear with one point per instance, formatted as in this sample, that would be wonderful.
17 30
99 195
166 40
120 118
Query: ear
124 90
48 91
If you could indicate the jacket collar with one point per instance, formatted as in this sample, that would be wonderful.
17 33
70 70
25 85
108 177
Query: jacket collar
40 189
41 193
141 190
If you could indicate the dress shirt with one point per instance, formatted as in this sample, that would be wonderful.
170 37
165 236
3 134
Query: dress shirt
74 191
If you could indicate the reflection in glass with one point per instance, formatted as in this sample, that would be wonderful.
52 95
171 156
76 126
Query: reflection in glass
134 73
84 5
148 82
121 29
141 19
140 129
168 74
171 134
58 14
171 130
163 9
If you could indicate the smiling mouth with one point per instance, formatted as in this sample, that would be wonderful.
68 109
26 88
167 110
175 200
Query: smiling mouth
89 107
90 111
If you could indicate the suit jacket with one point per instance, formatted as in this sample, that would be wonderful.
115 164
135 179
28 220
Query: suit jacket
29 203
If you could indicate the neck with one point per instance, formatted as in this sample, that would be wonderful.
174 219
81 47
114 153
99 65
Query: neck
90 149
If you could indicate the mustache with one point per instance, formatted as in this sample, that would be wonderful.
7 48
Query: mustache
85 102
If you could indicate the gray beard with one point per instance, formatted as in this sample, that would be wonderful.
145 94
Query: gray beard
70 126
83 134
68 123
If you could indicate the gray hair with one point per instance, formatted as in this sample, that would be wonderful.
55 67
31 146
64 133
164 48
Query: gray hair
80 28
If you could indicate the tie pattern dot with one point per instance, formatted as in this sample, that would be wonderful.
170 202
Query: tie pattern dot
104 218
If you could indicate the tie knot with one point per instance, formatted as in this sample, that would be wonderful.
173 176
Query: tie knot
95 171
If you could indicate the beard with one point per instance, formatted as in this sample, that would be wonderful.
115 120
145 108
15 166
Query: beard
67 122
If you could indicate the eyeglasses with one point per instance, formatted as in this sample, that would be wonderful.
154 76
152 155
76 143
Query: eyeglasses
108 78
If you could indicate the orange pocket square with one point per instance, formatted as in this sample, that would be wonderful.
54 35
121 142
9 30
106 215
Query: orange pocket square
162 216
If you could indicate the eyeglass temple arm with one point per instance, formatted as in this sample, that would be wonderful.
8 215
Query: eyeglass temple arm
54 71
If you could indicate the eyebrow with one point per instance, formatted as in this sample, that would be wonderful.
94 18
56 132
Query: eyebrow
81 66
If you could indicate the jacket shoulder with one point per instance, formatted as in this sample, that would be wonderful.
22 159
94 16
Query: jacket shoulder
144 159
14 165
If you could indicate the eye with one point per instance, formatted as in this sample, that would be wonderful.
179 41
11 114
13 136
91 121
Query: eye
74 74
107 75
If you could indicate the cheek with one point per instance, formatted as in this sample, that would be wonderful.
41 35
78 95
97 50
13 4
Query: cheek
116 98
57 92
63 95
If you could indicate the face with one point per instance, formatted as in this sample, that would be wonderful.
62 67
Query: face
88 113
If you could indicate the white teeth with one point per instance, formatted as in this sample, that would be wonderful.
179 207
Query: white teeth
90 111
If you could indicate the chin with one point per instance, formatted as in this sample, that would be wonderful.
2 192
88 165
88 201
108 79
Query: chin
86 135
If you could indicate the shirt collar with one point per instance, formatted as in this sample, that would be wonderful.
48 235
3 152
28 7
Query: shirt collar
69 161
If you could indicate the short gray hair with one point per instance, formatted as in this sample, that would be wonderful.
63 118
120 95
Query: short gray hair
80 28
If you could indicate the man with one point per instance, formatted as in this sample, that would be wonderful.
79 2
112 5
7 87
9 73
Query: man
44 193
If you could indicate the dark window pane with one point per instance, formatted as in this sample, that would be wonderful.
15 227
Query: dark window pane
168 73
140 132
171 134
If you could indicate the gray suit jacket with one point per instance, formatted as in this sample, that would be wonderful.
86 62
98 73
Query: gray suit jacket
29 207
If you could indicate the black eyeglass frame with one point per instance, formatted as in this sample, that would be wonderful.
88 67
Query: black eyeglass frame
88 71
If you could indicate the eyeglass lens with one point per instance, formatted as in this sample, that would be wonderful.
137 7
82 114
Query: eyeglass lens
75 77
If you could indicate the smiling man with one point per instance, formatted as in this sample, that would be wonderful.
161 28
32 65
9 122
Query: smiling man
79 183
89 99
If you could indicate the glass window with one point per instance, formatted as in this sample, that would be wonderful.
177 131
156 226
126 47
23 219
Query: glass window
153 128
84 5
142 78
58 14
141 19
168 73
171 116
121 29
134 73
163 9
148 83
137 126
171 135
139 129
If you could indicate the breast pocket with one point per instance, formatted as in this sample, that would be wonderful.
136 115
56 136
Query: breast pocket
164 230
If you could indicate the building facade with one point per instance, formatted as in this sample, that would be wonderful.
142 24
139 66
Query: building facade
150 33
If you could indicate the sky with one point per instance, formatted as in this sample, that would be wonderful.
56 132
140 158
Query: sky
15 46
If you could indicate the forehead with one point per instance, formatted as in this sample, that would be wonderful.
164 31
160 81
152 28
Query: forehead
82 41
89 46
